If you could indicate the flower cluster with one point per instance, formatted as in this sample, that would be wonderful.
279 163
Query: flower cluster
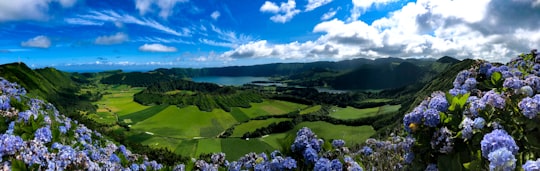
427 112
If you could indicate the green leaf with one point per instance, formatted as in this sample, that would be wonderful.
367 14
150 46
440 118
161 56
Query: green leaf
496 77
449 162
473 165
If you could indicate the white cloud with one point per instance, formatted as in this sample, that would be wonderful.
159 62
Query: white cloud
156 48
215 15
29 9
165 6
313 4
225 38
37 42
329 15
112 39
112 16
79 21
360 7
418 29
282 14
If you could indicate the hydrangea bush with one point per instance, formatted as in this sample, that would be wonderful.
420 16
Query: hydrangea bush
489 120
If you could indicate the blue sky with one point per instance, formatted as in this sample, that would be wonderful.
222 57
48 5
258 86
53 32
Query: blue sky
147 34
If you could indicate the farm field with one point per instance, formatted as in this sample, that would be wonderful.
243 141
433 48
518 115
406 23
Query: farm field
186 123
118 102
354 113
254 124
191 132
271 107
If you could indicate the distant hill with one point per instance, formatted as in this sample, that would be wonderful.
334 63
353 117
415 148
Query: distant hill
55 86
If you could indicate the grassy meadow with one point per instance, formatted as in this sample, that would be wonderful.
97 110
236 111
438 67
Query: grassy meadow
191 132
354 113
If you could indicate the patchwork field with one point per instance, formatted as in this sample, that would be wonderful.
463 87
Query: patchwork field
190 132
354 113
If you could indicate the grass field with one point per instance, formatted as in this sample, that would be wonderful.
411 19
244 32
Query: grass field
210 145
354 113
187 122
311 109
271 107
327 131
142 115
237 147
375 100
253 125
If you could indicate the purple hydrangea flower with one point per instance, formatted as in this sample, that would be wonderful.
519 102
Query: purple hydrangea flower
289 163
367 150
497 139
352 165
409 157
469 84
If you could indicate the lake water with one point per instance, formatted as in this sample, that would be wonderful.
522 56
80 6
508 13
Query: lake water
230 81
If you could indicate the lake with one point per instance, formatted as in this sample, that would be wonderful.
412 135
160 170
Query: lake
230 81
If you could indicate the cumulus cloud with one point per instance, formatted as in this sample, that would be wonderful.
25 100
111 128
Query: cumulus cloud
112 39
313 4
165 6
156 48
215 15
37 42
426 28
29 9
283 13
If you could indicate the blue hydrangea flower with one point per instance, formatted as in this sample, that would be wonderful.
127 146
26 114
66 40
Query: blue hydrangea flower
461 77
479 123
62 129
367 150
497 139
494 99
431 167
484 68
438 102
513 83
323 164
409 157
10 144
114 158
289 163
135 166
43 134
443 140
502 159
469 84
310 155
526 90
530 107
352 165
431 118
414 117
338 143
533 81
531 165
336 165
